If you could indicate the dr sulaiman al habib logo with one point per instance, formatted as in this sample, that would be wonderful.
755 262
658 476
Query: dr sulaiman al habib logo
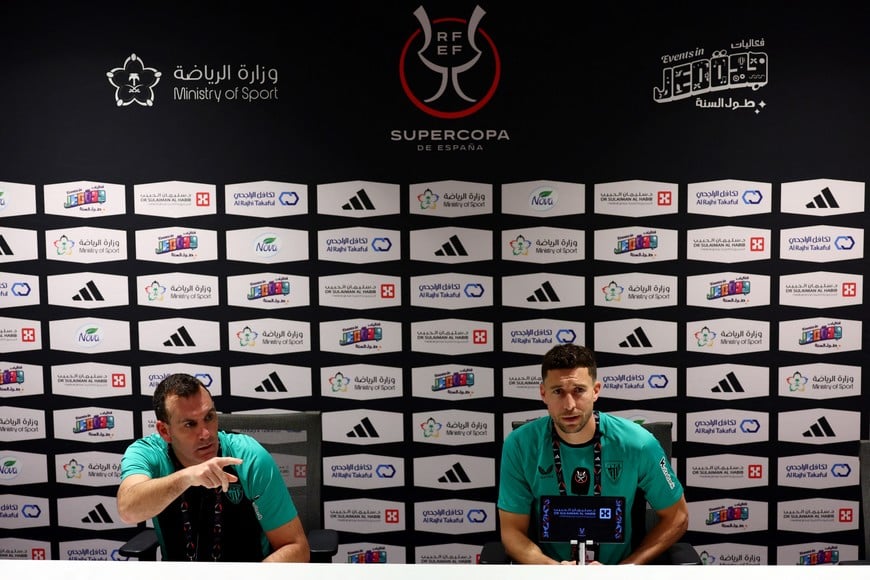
134 82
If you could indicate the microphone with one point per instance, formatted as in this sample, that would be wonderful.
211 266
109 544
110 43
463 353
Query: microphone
580 481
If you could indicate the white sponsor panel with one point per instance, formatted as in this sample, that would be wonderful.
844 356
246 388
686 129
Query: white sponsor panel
635 290
18 290
85 199
364 516
267 245
450 198
25 549
727 471
360 291
543 291
818 471
728 516
451 291
821 289
540 335
179 335
451 245
543 245
638 382
817 515
523 382
363 427
86 245
266 199
453 427
361 336
150 376
177 290
816 554
91 549
731 554
635 336
20 380
93 424
90 512
174 199
819 426
358 199
727 382
635 245
268 291
821 244
728 244
452 336
822 197
23 511
149 422
509 420
359 245
729 198
454 516
820 335
453 553
18 245
89 335
451 382
728 336
364 471
17 199
819 381
91 468
636 198
88 290
361 382
20 424
270 381
543 199
369 553
454 471
727 427
91 380
19 334
728 290
269 336
641 416
21 468
176 245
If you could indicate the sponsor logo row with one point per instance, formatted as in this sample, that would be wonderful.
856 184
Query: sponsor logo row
277 336
454 427
447 291
445 245
451 198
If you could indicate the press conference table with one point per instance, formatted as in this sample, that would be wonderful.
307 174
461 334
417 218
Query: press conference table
133 570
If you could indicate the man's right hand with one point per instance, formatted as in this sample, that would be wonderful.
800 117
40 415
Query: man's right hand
211 473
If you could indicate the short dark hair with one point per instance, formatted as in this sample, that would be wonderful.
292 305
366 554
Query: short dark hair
178 384
569 356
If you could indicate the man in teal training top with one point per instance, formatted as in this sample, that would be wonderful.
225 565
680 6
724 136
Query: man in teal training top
558 454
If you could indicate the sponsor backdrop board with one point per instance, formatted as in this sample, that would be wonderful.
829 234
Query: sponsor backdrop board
389 211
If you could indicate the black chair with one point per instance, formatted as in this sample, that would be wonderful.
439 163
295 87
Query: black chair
864 480
294 439
643 517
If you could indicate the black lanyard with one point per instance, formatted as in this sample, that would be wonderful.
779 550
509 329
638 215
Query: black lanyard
191 536
596 458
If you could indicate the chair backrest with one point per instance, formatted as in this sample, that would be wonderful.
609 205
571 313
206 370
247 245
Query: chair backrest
294 440
864 479
644 517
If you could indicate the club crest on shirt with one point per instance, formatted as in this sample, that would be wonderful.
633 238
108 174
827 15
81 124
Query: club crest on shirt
235 493
545 470
613 469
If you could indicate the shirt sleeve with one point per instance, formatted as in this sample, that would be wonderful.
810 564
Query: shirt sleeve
267 490
137 459
658 480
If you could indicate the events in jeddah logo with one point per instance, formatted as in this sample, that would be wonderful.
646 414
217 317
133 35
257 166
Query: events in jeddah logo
134 82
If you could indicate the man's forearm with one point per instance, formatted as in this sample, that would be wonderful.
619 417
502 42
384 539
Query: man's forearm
147 498
521 549
290 553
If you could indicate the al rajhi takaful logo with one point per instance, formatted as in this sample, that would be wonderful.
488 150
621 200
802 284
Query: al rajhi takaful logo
134 82
449 68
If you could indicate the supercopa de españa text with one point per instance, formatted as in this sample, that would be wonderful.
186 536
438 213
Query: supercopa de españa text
247 94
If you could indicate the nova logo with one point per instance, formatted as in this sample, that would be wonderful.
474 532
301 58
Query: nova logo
175 243
644 242
339 383
274 288
94 423
732 288
731 514
89 336
543 199
267 245
10 376
428 199
9 468
463 379
364 334
85 197
520 246
827 332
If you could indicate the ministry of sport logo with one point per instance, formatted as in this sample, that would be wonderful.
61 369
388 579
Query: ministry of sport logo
134 82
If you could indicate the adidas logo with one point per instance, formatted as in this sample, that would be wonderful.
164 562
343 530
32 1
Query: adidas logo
821 428
546 293
359 201
636 340
89 293
180 338
363 429
824 200
272 384
98 515
456 474
729 384
5 250
452 247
